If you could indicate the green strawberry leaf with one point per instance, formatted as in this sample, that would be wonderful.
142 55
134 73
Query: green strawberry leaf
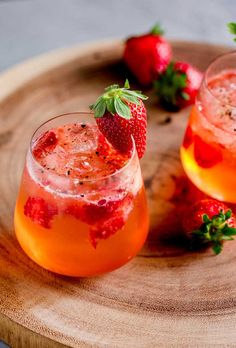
137 94
217 248
157 30
111 106
116 99
169 86
205 218
130 98
228 214
179 80
122 109
127 85
229 231
99 109
109 88
226 238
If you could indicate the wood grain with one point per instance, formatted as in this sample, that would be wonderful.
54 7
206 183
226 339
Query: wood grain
167 296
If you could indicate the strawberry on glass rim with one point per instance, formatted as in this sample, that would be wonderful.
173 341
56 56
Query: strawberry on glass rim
120 115
147 55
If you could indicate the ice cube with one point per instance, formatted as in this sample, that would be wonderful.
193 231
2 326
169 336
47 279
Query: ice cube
82 164
83 139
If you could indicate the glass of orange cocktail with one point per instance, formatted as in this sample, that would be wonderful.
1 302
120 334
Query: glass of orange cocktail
81 208
208 152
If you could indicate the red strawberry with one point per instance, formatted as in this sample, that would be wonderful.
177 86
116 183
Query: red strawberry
105 218
103 148
121 115
39 211
188 137
206 155
177 87
46 142
147 55
210 221
93 213
106 229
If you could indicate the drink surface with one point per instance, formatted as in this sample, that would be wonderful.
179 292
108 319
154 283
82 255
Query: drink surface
77 150
208 152
81 209
223 87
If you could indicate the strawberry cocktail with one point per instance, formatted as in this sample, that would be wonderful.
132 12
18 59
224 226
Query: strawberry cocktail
208 152
81 208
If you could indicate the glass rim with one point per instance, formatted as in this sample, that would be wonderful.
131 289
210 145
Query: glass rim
205 78
118 172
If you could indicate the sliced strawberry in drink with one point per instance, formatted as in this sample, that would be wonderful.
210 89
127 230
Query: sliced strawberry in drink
89 213
104 217
188 137
46 142
103 148
39 211
206 155
106 229
92 213
74 210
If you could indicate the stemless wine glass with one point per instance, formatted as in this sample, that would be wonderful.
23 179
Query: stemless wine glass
81 208
208 152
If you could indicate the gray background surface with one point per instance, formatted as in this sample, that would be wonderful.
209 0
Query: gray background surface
31 27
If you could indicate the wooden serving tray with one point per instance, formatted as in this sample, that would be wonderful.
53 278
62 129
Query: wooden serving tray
167 296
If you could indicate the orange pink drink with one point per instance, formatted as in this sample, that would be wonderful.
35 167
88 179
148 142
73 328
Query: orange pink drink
208 151
81 208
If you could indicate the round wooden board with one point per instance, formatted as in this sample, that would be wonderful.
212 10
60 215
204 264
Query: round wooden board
167 296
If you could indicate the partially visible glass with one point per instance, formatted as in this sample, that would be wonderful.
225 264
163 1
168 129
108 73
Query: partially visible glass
208 152
85 223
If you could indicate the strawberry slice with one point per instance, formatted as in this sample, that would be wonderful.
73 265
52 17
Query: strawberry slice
93 213
188 137
106 229
46 142
39 211
105 218
206 155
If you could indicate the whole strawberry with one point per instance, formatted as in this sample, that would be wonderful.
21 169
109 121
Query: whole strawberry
211 222
147 55
177 87
120 115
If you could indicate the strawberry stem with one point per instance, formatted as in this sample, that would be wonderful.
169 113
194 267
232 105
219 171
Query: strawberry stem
157 30
115 100
169 86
